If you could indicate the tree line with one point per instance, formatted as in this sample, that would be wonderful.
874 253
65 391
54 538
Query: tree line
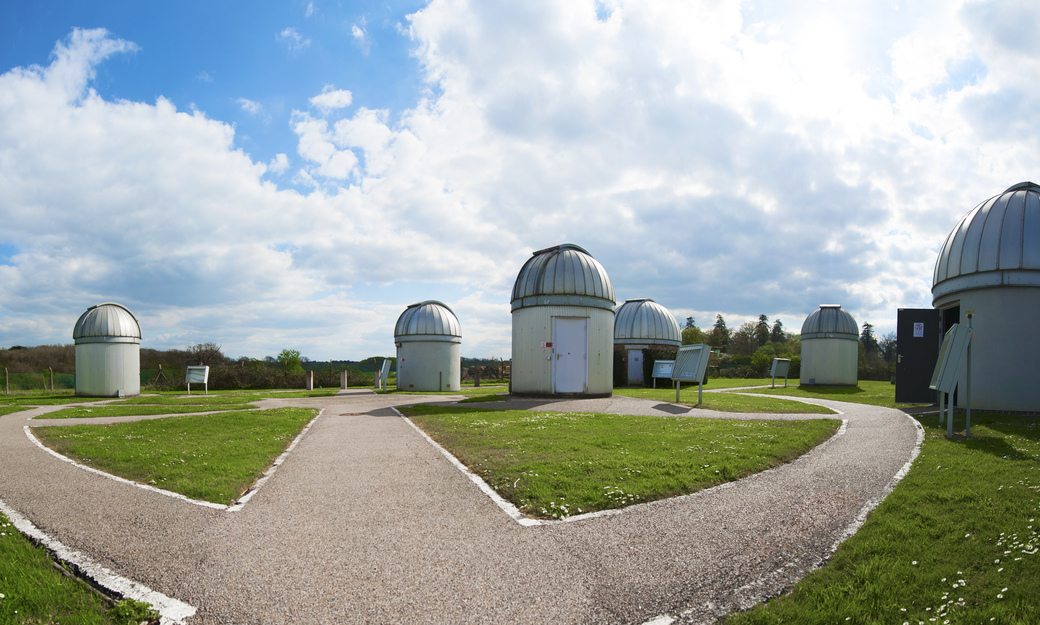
32 368
749 350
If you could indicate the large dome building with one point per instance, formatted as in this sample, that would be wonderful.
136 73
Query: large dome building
990 264
108 352
640 324
563 325
830 347
429 348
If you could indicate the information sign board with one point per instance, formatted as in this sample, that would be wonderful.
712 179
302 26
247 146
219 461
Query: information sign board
951 355
197 375
384 373
691 363
662 369
780 367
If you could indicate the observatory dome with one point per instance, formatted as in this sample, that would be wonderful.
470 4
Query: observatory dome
646 321
830 322
996 244
107 323
428 321
565 275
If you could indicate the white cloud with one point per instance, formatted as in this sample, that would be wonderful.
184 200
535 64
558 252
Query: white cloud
293 39
310 10
279 164
249 106
331 99
361 37
716 157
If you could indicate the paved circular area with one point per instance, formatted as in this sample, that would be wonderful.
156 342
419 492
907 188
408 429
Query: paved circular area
366 522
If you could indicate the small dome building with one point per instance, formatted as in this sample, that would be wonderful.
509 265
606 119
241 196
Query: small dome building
830 347
990 264
429 348
563 325
108 352
640 324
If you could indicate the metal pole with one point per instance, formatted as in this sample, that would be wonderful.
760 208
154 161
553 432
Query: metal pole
949 417
942 415
971 337
700 393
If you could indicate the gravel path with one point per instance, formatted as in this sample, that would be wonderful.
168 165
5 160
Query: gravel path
366 522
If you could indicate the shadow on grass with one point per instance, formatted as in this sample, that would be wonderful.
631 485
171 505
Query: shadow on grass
830 390
1006 425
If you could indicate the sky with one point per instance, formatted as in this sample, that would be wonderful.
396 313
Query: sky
292 175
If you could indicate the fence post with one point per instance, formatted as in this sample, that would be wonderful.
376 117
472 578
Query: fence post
7 383
51 369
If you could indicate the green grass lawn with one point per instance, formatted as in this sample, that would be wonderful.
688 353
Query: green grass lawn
120 410
468 391
33 591
44 399
866 392
553 465
956 541
213 457
725 402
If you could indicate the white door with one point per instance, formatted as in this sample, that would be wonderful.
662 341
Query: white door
570 354
635 366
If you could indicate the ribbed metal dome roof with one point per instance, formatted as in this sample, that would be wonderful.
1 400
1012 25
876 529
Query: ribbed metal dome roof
996 243
830 322
565 275
107 323
428 321
644 320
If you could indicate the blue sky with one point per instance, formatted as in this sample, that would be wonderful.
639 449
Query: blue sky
293 175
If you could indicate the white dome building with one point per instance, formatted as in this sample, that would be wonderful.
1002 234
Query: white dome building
990 264
830 347
640 324
108 352
429 348
563 325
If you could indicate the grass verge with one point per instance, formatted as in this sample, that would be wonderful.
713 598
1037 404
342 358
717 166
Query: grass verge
955 542
725 402
866 392
553 465
213 457
45 399
33 591
96 412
